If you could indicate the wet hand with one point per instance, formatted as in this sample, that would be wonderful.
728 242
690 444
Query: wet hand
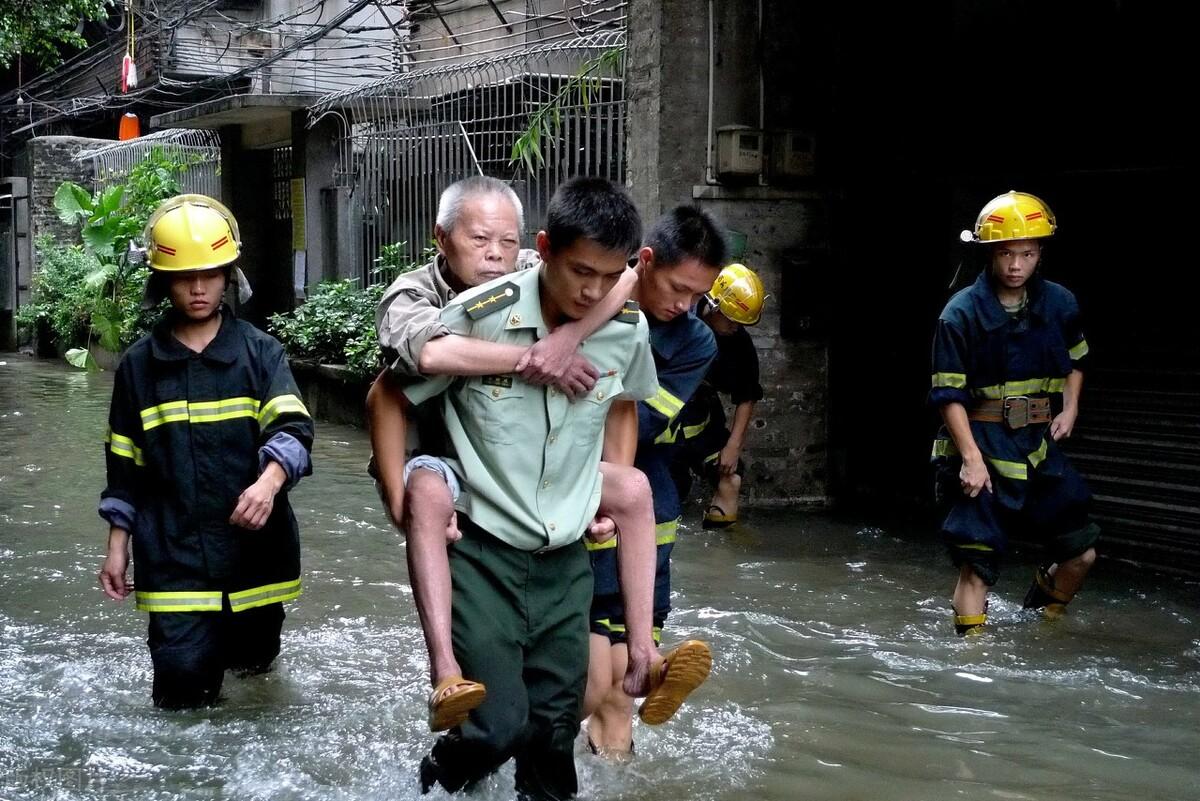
1062 425
578 379
255 503
636 683
728 458
112 575
452 532
547 360
601 529
554 361
974 477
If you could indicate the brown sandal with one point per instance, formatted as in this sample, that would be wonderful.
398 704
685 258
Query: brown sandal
452 701
681 671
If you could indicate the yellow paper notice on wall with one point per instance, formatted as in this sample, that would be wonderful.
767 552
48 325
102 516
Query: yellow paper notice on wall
298 241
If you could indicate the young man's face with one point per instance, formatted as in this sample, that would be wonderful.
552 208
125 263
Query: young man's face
665 292
484 241
197 295
1013 262
577 276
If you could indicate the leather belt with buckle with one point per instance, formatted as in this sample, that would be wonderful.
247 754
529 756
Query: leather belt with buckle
1015 411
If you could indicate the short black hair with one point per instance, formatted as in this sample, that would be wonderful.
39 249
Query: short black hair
595 209
688 232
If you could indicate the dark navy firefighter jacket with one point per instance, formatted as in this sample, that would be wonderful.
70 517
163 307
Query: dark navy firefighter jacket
980 351
188 432
683 349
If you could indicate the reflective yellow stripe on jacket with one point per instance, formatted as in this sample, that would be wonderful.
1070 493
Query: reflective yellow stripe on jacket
952 380
664 534
211 600
266 594
619 628
198 411
218 410
188 601
665 404
671 433
121 445
1029 386
280 404
1008 469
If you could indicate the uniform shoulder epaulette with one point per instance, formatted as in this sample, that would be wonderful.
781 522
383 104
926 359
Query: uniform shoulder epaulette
485 303
629 312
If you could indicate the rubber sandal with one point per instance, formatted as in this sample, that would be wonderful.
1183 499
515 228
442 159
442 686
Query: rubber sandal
1043 595
718 520
450 709
682 670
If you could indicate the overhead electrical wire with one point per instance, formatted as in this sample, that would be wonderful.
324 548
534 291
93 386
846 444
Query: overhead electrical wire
300 50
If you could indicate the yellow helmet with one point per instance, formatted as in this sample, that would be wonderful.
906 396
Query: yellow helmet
738 293
1013 215
191 232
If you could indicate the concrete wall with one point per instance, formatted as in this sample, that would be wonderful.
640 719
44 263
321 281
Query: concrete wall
328 228
667 90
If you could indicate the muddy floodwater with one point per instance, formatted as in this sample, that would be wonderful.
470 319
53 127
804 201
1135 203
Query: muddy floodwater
837 672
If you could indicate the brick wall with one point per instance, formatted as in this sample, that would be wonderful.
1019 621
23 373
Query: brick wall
667 88
50 162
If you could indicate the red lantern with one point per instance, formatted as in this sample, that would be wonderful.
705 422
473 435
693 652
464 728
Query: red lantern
130 129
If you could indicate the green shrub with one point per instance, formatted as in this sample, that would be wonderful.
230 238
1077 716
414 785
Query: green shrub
60 297
336 325
95 291
67 298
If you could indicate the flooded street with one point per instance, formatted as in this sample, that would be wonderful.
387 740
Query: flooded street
837 673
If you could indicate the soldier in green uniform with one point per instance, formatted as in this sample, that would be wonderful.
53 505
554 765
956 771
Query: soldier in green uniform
527 458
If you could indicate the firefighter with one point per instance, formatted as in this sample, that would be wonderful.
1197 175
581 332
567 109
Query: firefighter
677 265
207 432
708 448
1008 358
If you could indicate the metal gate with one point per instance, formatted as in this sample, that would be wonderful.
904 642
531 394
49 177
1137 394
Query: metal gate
1139 446
399 176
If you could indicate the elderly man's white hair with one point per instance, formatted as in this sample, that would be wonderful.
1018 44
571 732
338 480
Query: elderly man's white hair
451 201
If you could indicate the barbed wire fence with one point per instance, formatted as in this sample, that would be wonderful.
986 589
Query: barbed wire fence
198 148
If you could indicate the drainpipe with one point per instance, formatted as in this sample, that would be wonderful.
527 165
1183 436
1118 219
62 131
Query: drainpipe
762 100
710 172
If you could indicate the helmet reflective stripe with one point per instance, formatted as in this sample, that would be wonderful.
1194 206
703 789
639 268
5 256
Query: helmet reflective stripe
1013 215
191 232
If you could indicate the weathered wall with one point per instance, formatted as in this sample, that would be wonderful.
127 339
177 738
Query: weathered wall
50 162
667 86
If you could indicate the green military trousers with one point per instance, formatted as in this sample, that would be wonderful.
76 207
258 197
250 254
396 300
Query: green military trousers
520 626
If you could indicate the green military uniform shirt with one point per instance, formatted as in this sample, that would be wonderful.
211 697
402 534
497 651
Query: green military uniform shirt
528 457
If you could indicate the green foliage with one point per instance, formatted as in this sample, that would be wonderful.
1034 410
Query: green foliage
95 291
81 358
60 296
336 325
39 29
393 261
545 123
68 296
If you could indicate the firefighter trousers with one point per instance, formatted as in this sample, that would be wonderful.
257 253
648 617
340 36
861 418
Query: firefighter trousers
192 650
